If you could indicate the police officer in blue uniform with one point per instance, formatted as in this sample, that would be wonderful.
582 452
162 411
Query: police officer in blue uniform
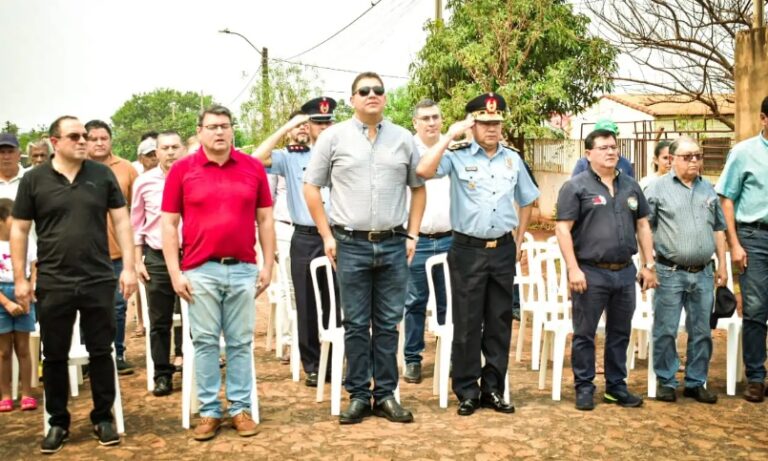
487 179
306 243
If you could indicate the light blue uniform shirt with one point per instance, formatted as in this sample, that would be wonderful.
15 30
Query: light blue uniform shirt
484 190
291 166
745 180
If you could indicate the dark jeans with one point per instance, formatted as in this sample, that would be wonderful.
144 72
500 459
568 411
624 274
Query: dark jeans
304 248
754 292
481 285
418 295
120 308
614 291
162 302
57 312
372 283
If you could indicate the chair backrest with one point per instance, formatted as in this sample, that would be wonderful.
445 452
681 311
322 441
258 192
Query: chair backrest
556 283
729 270
284 271
432 320
144 305
317 263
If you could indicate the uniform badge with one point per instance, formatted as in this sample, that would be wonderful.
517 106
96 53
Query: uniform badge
599 200
490 104
632 203
509 163
470 168
324 106
471 185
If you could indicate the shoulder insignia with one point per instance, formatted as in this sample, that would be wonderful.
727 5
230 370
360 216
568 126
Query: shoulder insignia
459 145
297 148
512 148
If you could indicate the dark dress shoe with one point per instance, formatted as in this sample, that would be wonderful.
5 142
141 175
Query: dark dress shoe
311 380
392 410
355 412
468 407
496 401
755 392
163 386
585 400
701 394
412 373
55 439
666 394
106 433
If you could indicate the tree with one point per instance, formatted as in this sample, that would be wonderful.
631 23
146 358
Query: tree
682 47
399 108
10 127
538 54
158 110
288 89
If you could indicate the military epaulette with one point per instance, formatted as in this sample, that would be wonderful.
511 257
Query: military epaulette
459 145
512 148
297 148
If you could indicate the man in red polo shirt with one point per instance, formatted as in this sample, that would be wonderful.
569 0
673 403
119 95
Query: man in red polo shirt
219 193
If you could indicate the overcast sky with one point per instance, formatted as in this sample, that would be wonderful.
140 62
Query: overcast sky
87 57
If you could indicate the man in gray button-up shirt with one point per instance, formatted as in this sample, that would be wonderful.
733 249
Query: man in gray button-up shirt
368 162
688 227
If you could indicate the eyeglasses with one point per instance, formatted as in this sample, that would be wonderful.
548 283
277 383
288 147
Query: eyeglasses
427 118
607 148
75 137
688 157
150 155
366 90
223 126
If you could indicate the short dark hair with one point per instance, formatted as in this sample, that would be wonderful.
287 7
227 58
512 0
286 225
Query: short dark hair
589 142
215 109
96 124
167 133
764 106
423 104
363 75
54 131
148 134
6 205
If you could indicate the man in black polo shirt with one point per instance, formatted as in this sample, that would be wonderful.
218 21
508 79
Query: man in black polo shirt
600 212
68 198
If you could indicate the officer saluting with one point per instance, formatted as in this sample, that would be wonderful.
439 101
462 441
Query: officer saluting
306 243
487 178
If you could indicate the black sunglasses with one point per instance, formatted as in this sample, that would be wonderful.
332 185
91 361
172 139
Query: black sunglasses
366 90
75 137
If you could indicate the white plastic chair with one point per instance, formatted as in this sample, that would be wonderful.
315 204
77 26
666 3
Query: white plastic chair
189 402
284 270
444 331
281 302
558 325
331 335
78 356
147 327
734 364
532 299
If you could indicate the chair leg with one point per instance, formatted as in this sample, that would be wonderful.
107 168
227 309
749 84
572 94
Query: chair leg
631 350
254 393
295 353
731 364
521 334
557 363
336 375
651 372
401 345
544 355
436 372
279 323
117 407
150 363
536 333
324 346
270 324
445 368
642 346
186 388
73 381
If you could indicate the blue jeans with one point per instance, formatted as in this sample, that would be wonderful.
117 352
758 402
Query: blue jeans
120 308
372 284
679 289
418 294
754 295
223 302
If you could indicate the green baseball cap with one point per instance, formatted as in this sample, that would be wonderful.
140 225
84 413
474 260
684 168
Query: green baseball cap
607 124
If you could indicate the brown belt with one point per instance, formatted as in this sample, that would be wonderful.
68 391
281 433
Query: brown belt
610 266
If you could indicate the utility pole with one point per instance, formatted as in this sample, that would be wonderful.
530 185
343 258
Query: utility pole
266 102
758 21
438 10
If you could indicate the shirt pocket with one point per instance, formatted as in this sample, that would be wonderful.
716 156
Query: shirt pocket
468 182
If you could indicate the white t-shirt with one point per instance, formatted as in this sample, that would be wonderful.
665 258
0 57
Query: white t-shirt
6 269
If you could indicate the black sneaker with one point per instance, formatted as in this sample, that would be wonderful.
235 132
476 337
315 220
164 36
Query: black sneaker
666 394
585 400
701 394
163 386
623 398
55 439
123 367
106 433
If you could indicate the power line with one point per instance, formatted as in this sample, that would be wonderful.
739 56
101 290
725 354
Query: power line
373 5
335 69
247 85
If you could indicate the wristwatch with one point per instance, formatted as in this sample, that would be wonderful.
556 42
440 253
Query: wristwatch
650 266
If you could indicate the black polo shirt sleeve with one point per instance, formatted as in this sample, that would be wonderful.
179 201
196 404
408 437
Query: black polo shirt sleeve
643 209
115 198
568 202
23 206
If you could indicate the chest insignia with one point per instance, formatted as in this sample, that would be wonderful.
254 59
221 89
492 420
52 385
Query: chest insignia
471 185
508 161
470 168
632 203
599 200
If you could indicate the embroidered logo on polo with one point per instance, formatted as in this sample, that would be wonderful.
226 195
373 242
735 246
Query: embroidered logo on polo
632 203
599 200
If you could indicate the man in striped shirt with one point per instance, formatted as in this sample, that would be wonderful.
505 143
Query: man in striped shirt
688 227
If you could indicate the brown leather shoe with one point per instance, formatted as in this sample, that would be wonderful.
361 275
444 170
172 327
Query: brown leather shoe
755 392
244 424
207 428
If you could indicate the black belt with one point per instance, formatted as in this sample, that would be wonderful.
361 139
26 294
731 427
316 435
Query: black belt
285 222
225 261
306 229
692 269
436 235
610 266
371 236
483 243
758 225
